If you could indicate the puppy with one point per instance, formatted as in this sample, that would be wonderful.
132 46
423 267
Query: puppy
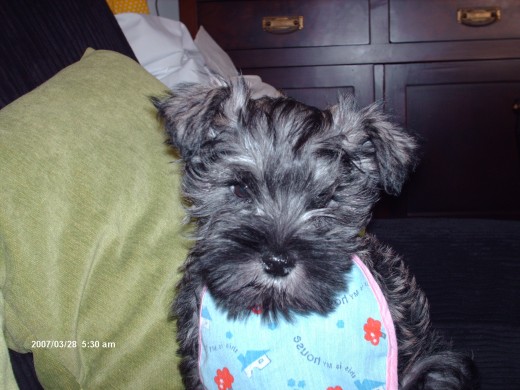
279 273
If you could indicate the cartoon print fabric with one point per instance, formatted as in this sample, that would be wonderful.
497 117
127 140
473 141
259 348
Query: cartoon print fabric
352 348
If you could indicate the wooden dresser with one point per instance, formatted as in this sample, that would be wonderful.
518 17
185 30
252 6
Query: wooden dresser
446 70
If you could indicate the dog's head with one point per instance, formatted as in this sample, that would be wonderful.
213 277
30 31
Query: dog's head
279 191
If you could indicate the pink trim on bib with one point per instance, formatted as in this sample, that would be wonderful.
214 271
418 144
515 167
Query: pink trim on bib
391 372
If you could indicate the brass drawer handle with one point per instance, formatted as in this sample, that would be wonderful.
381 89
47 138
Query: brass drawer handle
282 24
476 17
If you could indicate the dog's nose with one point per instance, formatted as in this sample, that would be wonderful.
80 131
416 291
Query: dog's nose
277 264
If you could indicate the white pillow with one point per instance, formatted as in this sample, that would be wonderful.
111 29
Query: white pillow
164 48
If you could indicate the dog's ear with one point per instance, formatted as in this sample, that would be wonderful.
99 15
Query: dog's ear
381 149
194 114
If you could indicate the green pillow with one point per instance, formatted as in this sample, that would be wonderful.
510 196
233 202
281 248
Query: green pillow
91 233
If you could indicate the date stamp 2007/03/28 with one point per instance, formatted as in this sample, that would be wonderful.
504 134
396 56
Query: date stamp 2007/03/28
67 344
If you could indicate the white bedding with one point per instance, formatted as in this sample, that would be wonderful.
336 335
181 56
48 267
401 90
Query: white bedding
165 48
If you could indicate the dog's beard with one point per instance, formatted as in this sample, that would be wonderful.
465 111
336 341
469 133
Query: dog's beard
233 270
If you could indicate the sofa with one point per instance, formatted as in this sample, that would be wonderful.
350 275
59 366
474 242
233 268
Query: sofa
91 231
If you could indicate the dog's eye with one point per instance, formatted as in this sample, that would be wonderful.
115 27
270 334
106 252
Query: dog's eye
240 191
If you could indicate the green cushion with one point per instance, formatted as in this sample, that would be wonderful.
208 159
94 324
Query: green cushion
91 233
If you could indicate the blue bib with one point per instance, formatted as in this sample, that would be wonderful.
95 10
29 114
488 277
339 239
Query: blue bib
354 347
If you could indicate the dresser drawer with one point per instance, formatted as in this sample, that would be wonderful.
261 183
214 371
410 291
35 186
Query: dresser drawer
437 20
238 24
320 86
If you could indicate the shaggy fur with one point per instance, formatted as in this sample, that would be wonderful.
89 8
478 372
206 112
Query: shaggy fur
279 192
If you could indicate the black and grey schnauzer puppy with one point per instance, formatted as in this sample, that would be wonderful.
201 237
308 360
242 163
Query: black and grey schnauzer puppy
279 192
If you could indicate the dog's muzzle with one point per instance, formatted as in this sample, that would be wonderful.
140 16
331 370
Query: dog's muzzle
277 264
